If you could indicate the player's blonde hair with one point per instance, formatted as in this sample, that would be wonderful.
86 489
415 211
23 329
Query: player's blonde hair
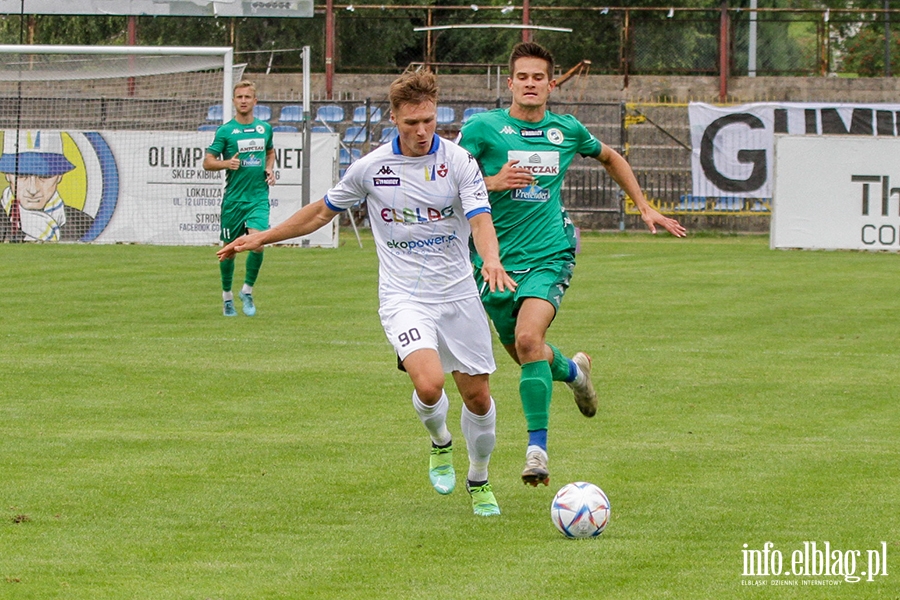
413 88
244 83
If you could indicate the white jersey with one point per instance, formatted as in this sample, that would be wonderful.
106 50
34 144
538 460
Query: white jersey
419 209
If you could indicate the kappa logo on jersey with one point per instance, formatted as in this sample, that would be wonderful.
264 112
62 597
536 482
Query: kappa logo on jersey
386 181
537 163
416 215
236 131
385 170
532 133
507 130
251 145
555 135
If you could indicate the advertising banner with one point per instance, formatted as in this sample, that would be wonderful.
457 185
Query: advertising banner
732 146
835 192
140 187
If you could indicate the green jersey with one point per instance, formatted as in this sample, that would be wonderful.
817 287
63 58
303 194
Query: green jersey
532 224
251 142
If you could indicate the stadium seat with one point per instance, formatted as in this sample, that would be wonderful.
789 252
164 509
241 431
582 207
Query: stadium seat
355 134
472 110
208 127
688 202
321 129
387 134
348 156
291 114
330 113
445 115
214 113
262 112
729 203
284 129
359 115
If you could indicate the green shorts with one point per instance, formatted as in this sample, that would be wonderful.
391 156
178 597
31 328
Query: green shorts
238 217
548 281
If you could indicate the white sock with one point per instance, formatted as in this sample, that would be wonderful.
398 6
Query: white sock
434 418
227 296
247 289
480 434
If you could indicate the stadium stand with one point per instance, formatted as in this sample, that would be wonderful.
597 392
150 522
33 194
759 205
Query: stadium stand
291 114
330 113
262 112
359 115
355 134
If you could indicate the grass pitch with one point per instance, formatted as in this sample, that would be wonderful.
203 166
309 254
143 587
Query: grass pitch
150 448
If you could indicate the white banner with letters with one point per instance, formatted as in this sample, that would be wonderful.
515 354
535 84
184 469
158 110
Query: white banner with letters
733 146
142 187
836 192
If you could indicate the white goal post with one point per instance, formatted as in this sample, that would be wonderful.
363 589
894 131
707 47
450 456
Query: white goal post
117 134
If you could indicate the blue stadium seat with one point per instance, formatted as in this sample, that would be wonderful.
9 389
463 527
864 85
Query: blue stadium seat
355 134
291 114
262 112
729 203
208 127
445 115
321 129
349 156
387 134
359 115
688 202
214 113
284 129
330 113
472 110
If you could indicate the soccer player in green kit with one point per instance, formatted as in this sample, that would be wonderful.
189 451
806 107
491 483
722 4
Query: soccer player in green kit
524 152
243 148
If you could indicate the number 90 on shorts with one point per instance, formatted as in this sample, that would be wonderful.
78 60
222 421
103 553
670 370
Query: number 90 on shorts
458 331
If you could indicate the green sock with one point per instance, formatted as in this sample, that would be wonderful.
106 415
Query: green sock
560 365
535 388
254 262
226 269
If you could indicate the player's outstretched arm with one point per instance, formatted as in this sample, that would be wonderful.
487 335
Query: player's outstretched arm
485 238
619 169
306 220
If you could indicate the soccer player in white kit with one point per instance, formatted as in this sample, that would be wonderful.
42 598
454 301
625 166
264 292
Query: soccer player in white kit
425 196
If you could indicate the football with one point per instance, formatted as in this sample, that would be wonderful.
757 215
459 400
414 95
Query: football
580 510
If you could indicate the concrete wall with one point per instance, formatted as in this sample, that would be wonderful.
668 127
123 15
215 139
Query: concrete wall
601 88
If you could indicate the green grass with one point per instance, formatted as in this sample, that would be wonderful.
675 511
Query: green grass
150 448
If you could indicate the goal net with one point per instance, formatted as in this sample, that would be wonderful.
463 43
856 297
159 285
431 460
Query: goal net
106 144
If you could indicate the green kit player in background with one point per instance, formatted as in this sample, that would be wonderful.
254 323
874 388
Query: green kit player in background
243 148
524 152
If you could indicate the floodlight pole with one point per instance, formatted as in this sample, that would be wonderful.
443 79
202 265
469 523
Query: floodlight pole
307 130
526 20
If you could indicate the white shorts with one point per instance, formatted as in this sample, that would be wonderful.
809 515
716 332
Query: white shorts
458 331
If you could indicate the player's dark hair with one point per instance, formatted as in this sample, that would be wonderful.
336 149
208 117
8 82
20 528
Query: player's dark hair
413 88
530 50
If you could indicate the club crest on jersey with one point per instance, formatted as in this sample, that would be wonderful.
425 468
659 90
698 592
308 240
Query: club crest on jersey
260 129
431 172
555 135
533 133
